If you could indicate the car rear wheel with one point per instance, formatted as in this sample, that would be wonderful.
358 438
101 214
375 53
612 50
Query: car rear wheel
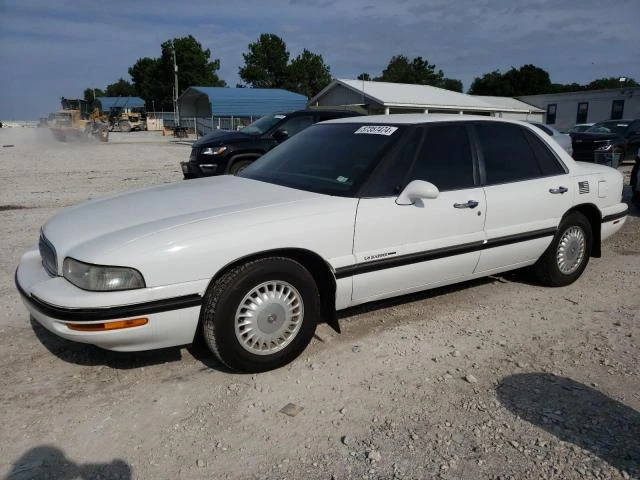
567 256
261 315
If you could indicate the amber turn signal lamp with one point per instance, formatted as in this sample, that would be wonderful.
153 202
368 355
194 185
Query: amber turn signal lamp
106 326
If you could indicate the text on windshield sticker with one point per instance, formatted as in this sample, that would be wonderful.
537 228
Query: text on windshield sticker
376 130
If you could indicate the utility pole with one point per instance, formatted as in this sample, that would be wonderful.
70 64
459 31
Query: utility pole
176 110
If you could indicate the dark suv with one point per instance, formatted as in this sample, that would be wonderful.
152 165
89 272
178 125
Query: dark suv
227 152
611 142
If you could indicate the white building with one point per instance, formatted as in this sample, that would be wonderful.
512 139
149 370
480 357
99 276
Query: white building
389 98
562 110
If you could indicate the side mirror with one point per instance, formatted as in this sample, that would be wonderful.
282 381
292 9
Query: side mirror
280 135
416 190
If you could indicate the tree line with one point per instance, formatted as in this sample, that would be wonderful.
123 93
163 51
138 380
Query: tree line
268 64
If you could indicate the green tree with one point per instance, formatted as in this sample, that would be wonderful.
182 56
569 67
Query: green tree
451 84
526 80
121 88
153 77
90 94
364 76
265 64
610 82
307 74
417 71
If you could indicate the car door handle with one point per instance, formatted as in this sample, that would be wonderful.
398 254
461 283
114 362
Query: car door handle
559 190
469 204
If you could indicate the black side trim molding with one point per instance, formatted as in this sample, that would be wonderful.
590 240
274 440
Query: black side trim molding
110 313
411 258
615 216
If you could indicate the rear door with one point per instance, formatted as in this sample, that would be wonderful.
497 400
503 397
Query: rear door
404 248
527 189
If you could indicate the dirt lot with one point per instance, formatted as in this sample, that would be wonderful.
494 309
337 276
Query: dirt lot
498 378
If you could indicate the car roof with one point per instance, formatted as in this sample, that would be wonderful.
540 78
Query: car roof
419 118
321 111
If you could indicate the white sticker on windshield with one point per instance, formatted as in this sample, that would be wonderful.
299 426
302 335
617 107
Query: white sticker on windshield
342 179
279 116
376 130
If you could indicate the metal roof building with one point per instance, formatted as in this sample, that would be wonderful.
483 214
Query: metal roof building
207 102
384 97
107 103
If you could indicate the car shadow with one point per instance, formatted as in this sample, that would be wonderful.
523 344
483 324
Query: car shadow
50 462
576 413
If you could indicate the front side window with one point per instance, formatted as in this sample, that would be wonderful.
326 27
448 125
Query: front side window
551 113
444 158
296 124
332 159
582 113
617 109
262 125
508 157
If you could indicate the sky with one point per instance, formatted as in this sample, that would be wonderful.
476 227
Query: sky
50 49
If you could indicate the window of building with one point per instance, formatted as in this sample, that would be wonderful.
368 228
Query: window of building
583 110
617 109
551 113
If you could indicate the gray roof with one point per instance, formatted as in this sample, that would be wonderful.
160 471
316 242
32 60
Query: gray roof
509 102
404 95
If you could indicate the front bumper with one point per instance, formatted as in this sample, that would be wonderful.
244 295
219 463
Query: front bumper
172 311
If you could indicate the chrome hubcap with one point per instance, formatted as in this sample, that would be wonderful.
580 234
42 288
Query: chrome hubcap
571 250
269 317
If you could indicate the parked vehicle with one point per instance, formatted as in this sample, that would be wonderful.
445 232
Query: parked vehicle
223 152
346 212
563 139
580 127
610 142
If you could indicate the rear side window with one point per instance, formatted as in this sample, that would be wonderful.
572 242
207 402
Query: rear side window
445 158
548 163
508 157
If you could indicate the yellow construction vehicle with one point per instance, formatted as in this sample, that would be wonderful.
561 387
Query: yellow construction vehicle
75 122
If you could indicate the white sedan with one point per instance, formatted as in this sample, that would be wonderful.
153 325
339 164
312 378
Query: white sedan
347 212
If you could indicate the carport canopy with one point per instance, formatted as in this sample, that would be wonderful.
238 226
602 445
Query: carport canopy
207 102
107 103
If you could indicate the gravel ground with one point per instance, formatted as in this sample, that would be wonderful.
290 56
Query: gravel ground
498 378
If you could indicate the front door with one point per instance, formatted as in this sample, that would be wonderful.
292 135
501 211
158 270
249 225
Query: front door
404 248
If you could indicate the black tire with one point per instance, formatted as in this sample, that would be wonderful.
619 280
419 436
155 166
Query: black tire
223 303
550 269
125 126
238 166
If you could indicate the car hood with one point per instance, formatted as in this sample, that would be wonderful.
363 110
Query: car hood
220 137
111 222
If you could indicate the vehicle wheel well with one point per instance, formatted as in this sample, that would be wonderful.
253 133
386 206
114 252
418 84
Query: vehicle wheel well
595 219
242 157
317 267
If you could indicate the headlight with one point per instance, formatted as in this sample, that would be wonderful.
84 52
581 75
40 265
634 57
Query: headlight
100 278
214 150
605 148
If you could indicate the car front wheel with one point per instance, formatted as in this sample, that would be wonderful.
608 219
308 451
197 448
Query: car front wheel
261 315
567 256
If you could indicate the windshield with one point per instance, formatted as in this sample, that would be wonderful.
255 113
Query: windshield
609 127
262 125
333 159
